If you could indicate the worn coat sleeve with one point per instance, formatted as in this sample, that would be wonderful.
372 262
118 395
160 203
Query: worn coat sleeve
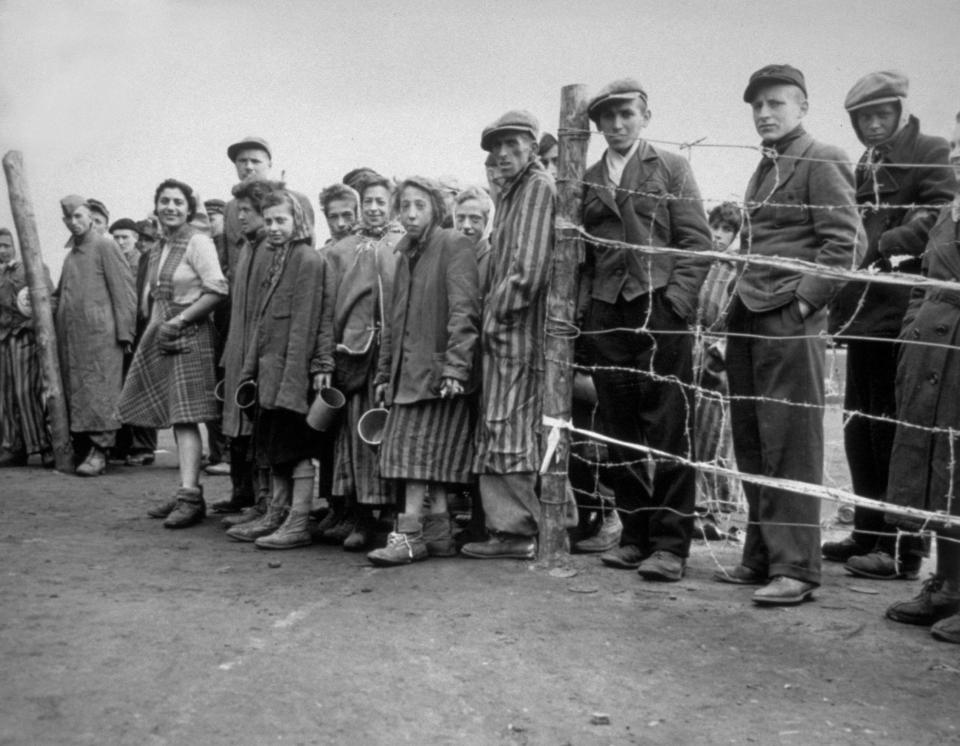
689 230
463 294
936 188
322 359
836 224
120 286
530 247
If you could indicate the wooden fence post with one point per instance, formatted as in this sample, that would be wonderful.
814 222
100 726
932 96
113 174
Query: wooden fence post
25 221
573 135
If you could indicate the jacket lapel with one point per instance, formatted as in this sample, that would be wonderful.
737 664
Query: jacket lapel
776 178
598 179
638 171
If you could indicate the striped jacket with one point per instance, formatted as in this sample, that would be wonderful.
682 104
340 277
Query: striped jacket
508 436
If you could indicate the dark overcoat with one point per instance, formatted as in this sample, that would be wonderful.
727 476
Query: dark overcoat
434 317
925 465
292 331
900 193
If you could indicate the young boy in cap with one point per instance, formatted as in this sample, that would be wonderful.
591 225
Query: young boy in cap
800 204
871 314
628 199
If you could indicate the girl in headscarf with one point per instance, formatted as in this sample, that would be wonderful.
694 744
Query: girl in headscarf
291 351
425 371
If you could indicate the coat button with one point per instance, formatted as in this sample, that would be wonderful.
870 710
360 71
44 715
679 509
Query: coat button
941 329
933 378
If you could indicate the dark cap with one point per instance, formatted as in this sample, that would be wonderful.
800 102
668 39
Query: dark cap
214 206
624 89
98 206
147 229
883 87
517 120
774 75
248 143
70 203
124 224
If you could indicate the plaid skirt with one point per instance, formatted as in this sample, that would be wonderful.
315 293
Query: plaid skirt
166 389
429 441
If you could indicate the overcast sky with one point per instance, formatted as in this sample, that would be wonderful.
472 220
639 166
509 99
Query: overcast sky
106 98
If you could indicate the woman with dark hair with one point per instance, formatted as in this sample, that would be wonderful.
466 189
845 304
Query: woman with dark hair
362 266
425 375
171 378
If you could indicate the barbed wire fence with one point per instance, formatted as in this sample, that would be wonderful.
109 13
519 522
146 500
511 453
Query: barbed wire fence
563 330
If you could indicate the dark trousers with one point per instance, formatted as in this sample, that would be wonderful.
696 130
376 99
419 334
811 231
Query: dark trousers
637 407
774 438
870 389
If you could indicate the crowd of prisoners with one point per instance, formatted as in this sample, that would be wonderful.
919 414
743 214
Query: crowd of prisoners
393 376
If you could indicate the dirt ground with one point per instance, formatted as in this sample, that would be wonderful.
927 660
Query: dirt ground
117 631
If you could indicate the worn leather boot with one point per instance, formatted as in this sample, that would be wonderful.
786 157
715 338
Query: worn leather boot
163 508
94 464
293 532
190 508
260 480
438 535
405 545
270 521
607 536
362 534
241 495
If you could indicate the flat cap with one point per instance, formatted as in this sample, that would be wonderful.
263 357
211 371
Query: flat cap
98 206
624 89
252 142
70 203
517 120
148 229
881 87
214 206
124 224
774 75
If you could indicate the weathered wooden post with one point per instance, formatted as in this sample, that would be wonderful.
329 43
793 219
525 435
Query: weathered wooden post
26 224
573 135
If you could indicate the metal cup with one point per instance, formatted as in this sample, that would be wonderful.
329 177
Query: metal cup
371 426
325 409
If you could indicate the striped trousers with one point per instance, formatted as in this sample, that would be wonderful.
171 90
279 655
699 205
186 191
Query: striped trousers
23 425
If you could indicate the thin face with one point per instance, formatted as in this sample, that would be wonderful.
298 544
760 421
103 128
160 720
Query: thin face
146 244
621 123
250 220
877 123
955 150
126 239
777 111
549 160
6 249
172 208
416 211
512 151
99 221
470 220
341 215
80 221
252 162
216 223
722 236
278 221
376 206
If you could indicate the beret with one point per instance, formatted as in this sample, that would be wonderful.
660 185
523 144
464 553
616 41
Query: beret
624 89
252 142
516 120
124 224
877 88
774 75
